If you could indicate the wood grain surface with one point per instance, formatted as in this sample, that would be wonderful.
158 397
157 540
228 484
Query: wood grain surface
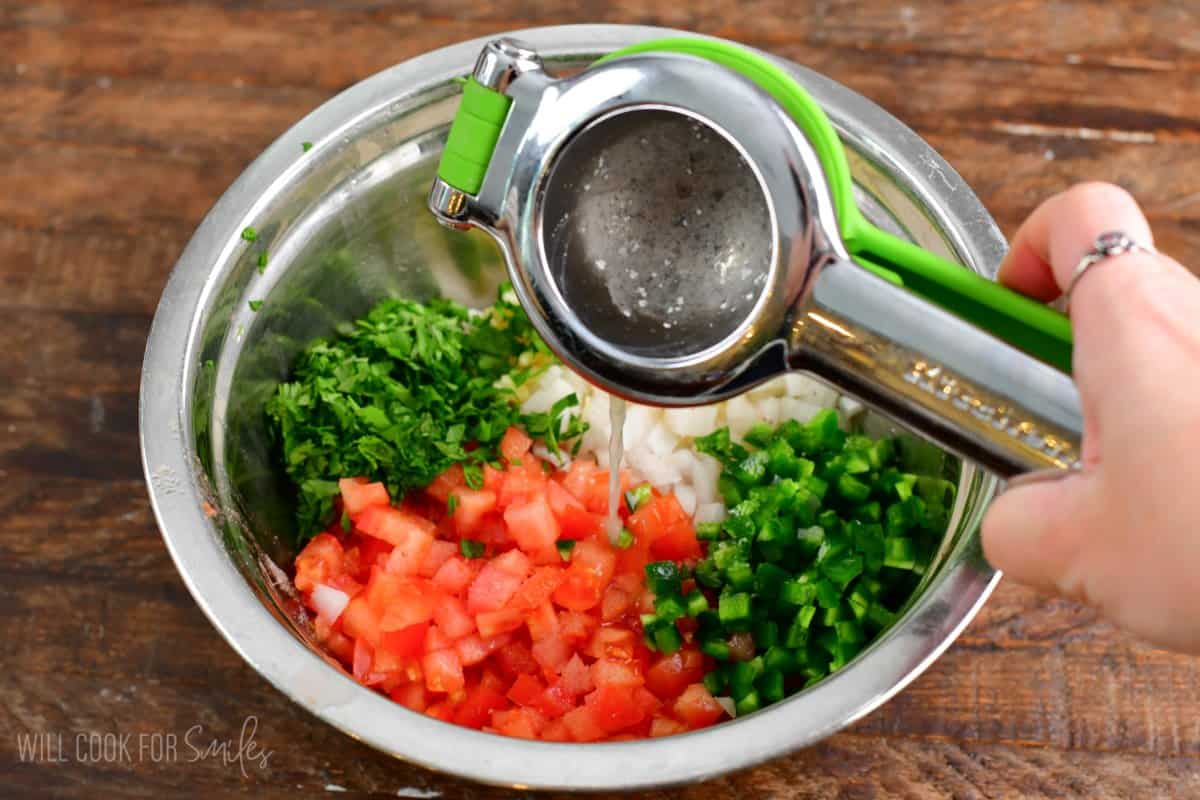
121 122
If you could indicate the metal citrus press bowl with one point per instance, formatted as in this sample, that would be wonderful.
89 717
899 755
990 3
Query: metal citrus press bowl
679 222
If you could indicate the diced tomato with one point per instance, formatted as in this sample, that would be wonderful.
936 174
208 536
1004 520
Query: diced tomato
436 639
394 525
670 674
321 560
515 659
521 723
578 478
439 553
411 695
513 562
618 644
386 662
340 645
359 621
358 495
614 603
491 530
471 650
492 623
542 621
589 484
495 585
551 653
532 524
576 678
537 588
526 691
476 710
556 731
560 499
370 551
488 677
576 627
407 642
607 672
667 527
471 507
614 708
522 482
364 655
399 602
515 444
447 482
645 700
592 566
555 702
454 575
632 561
452 618
493 478
443 711
443 671
582 726
574 520
462 640
665 726
697 707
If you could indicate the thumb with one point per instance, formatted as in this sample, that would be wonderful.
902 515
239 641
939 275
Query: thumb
1035 532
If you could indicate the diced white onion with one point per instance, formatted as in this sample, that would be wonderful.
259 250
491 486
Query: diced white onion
686 496
849 407
329 602
709 512
698 421
661 441
740 414
727 704
659 444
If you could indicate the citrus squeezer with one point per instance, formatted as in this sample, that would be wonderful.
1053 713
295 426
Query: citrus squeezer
680 224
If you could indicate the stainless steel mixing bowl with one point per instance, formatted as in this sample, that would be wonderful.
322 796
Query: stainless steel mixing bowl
345 224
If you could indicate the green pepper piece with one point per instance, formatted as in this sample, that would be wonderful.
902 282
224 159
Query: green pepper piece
768 579
770 686
752 470
760 434
696 603
899 553
853 489
748 704
734 610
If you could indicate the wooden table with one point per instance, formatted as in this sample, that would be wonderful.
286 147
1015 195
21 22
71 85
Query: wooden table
122 121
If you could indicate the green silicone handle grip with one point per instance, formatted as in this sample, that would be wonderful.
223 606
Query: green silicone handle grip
473 135
1023 323
1020 321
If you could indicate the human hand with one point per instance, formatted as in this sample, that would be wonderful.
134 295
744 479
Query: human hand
1123 535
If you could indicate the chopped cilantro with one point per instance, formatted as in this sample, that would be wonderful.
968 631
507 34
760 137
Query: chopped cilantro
471 548
306 146
262 262
451 504
255 305
249 234
403 394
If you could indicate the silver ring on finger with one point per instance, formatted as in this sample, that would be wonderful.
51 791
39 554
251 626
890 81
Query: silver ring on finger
1107 246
